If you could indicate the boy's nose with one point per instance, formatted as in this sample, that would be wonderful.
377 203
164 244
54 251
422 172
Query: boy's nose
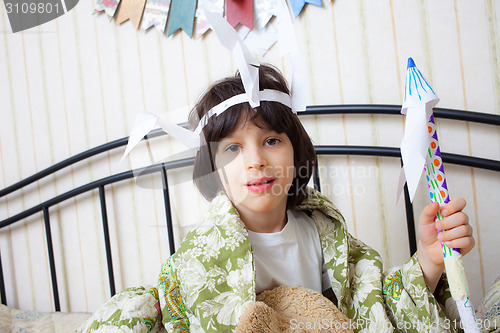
256 160
255 165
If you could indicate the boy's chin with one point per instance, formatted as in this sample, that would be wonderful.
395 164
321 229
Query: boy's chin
261 203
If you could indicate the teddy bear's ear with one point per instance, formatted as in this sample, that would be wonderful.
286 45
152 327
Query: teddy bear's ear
286 309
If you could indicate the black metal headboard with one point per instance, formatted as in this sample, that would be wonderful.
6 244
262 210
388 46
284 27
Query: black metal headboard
163 169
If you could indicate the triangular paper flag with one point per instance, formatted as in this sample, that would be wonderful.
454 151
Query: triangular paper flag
182 16
155 15
240 11
297 5
109 6
130 10
264 11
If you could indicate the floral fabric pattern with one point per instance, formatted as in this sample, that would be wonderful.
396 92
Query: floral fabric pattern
393 285
214 269
131 310
174 310
215 276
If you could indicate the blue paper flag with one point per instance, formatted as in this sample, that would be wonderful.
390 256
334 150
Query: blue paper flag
297 5
182 16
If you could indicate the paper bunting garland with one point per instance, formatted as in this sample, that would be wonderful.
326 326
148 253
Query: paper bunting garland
155 15
182 16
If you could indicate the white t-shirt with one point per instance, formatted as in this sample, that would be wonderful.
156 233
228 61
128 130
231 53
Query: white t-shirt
290 257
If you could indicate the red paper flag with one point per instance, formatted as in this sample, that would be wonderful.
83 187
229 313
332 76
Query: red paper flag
240 11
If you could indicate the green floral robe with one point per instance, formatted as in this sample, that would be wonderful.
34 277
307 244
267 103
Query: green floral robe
207 283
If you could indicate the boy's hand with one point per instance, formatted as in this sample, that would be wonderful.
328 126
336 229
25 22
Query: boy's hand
455 233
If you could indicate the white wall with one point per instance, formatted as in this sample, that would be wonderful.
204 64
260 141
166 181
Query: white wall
78 82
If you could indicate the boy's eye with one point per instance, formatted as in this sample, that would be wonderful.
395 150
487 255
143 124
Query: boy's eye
233 148
272 141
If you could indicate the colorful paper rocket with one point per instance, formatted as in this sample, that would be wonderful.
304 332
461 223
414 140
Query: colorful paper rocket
419 99
420 151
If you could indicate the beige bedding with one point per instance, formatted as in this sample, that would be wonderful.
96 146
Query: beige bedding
15 320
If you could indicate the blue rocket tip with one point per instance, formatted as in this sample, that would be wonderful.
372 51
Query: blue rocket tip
410 63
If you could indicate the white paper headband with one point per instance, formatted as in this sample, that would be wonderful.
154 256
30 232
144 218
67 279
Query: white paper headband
264 95
145 122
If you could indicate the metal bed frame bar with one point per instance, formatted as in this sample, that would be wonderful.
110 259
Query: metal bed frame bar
164 167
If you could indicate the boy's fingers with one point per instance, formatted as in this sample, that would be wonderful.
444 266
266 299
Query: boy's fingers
464 244
455 205
453 221
429 212
462 231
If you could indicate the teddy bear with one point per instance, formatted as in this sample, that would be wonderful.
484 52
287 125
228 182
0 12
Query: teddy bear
292 309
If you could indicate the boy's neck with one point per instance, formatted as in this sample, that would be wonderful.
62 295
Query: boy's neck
264 222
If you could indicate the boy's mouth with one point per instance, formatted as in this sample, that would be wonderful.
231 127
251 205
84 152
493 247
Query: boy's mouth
260 185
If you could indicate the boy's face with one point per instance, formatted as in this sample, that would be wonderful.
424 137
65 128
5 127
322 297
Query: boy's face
256 168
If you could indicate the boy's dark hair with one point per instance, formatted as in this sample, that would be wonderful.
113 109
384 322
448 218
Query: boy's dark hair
270 115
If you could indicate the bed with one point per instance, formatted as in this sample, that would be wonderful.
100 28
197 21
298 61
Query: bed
62 317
